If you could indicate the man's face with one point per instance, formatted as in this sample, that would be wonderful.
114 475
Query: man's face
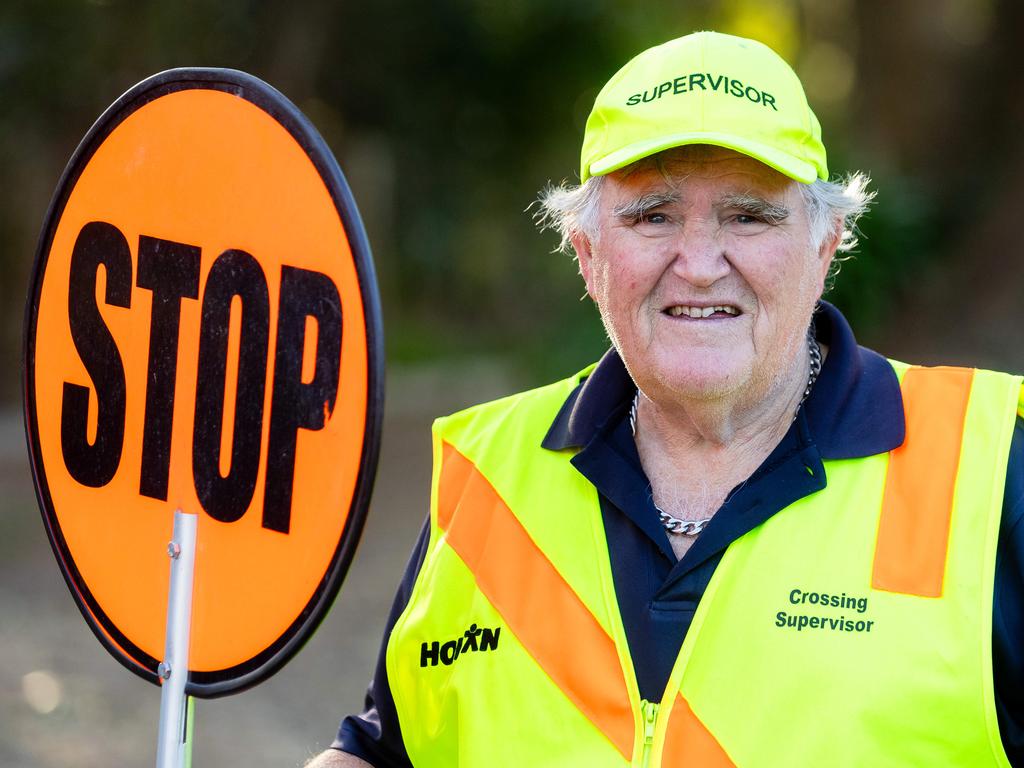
704 273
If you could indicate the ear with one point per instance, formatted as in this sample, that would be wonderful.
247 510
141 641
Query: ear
585 258
827 251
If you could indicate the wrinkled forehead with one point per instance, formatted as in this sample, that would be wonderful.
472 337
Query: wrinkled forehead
700 162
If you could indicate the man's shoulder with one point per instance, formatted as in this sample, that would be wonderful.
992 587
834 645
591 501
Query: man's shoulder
540 403
901 366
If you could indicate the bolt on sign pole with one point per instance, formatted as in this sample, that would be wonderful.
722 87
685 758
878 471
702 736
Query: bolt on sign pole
174 747
203 333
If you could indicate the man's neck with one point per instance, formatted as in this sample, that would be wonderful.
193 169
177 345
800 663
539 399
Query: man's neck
695 453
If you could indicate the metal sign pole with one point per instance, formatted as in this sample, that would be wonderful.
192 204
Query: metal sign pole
174 743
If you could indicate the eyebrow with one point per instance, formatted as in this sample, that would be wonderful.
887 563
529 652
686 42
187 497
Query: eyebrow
634 209
774 213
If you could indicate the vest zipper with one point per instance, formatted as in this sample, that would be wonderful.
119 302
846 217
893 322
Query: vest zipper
649 711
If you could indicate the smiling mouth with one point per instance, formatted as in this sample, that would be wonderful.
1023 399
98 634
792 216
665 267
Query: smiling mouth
701 313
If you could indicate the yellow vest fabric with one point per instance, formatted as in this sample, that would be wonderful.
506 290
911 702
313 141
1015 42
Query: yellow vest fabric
852 628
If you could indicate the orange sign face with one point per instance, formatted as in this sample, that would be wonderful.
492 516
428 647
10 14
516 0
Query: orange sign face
203 334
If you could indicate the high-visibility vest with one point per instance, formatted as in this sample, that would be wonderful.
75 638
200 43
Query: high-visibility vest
852 628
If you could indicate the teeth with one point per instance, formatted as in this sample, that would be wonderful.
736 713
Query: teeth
701 312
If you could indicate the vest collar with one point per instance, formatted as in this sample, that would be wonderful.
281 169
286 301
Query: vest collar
854 410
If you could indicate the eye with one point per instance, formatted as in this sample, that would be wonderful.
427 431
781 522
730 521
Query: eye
743 223
652 223
652 217
748 218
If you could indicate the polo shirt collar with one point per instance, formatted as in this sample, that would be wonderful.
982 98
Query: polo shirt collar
854 410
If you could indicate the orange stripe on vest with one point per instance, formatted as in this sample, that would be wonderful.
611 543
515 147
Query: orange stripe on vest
689 743
536 603
913 532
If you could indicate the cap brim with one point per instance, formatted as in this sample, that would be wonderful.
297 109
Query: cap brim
782 162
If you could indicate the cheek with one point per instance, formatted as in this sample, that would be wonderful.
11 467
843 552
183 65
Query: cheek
786 291
602 278
817 270
785 275
616 281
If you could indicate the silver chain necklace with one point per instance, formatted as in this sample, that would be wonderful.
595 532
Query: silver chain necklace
694 527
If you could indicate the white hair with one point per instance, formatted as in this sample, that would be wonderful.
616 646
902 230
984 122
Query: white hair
832 207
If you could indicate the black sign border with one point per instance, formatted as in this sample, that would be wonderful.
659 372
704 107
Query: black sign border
274 103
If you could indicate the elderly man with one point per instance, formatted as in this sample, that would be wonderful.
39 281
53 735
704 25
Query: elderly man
738 539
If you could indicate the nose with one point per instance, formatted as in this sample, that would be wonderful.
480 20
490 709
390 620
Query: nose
700 258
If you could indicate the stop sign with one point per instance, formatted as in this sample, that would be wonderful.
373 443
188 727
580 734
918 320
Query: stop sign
203 333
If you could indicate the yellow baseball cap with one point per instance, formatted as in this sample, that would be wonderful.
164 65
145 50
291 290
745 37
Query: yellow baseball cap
705 88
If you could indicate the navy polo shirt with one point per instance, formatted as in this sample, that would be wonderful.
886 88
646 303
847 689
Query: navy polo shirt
854 410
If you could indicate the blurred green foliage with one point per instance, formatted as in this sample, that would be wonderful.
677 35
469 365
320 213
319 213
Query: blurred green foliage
448 117
899 240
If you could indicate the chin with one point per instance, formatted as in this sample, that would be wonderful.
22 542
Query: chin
701 382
